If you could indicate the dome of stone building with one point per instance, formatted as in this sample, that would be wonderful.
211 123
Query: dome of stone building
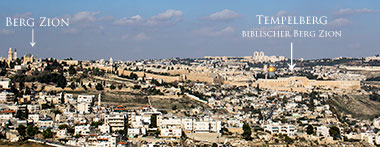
271 69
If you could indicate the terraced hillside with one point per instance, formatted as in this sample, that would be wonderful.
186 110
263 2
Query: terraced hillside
359 106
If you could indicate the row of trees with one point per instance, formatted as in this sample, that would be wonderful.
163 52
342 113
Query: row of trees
132 76
334 131
31 131
98 86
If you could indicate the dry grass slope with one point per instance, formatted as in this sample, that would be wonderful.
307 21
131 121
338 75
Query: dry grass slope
359 106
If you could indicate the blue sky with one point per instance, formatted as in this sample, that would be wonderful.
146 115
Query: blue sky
130 30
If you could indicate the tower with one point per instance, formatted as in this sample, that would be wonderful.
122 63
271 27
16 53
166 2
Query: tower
265 70
111 61
15 55
255 54
261 54
10 55
99 99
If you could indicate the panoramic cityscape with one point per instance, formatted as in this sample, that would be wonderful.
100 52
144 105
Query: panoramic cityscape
162 73
210 101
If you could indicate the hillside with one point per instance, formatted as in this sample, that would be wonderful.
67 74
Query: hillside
359 106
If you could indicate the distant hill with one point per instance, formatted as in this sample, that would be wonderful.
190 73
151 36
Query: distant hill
359 106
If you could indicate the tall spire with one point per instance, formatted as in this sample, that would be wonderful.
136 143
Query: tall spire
15 55
99 99
10 55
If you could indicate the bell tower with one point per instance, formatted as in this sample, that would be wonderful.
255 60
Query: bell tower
10 55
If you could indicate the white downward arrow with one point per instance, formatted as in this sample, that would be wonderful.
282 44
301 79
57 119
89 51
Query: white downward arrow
32 43
291 65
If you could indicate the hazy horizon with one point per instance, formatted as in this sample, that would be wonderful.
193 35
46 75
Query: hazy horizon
134 30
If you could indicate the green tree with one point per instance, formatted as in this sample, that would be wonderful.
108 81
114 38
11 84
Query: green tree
63 126
96 123
153 121
27 91
258 88
11 65
310 129
47 133
112 87
15 91
136 87
155 82
247 132
77 136
32 130
261 117
174 107
21 85
72 85
21 130
99 86
72 70
225 131
62 98
334 132
133 76
61 82
22 114
214 145
288 140
84 87
71 130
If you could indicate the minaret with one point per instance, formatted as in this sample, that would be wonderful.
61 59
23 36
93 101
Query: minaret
10 55
111 61
15 55
99 100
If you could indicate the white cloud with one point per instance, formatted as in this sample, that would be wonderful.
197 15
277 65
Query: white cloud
212 32
349 11
224 15
282 13
85 21
141 36
23 15
227 30
106 18
274 28
125 37
137 37
89 28
70 31
6 32
339 22
84 16
168 17
137 18
128 21
170 14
